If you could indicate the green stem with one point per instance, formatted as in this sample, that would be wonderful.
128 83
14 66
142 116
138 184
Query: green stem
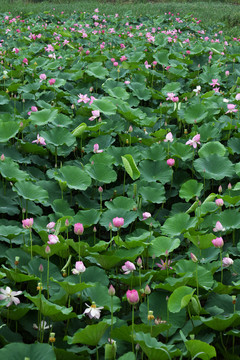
132 328
124 181
221 265
55 156
48 279
197 279
79 248
30 232
111 316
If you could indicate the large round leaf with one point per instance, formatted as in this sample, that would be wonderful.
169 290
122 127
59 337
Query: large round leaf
161 244
179 298
154 193
43 117
30 191
58 136
195 113
90 335
200 350
8 130
211 148
190 189
74 177
37 351
214 167
102 173
10 170
177 224
152 171
105 106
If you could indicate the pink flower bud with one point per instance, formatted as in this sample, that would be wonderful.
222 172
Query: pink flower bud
218 242
194 258
132 297
229 186
146 215
100 189
52 81
220 189
78 229
79 268
50 225
41 267
147 290
27 223
47 249
171 162
219 202
139 262
2 157
128 267
67 222
94 229
111 290
118 222
52 239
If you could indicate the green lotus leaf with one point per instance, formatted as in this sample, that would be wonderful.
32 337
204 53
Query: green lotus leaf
177 224
101 172
195 113
4 100
109 215
128 356
154 193
37 351
72 288
180 298
161 244
10 231
190 189
181 151
162 57
155 152
172 87
74 177
140 91
221 322
97 70
58 136
79 130
202 241
105 106
152 171
214 167
18 312
234 145
115 89
99 294
53 311
8 130
87 217
130 166
30 191
120 202
43 117
61 208
201 350
90 335
211 148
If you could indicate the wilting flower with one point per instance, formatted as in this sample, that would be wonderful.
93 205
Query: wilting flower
40 140
78 229
43 326
79 268
118 222
195 140
218 227
132 297
96 149
164 265
53 239
11 296
227 261
128 267
27 223
218 242
93 311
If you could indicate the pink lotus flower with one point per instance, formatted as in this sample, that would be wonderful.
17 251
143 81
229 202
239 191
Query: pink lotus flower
27 223
53 239
11 296
218 227
164 264
111 290
218 242
50 226
40 140
128 267
79 268
123 58
118 222
146 215
237 97
34 109
170 162
231 108
194 258
2 157
195 140
96 149
115 63
219 202
214 82
169 137
78 229
52 81
95 114
132 297
227 261
42 77
25 61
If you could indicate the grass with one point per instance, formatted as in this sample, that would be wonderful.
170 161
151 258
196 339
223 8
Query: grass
224 14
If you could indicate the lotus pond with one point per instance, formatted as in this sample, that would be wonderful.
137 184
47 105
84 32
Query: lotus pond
120 191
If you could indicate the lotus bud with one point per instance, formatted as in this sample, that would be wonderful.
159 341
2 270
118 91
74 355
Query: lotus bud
147 290
94 229
41 268
192 336
100 189
194 258
111 290
234 299
229 186
139 262
16 262
67 222
47 250
2 157
220 189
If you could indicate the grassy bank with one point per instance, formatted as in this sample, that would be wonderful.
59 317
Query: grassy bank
224 14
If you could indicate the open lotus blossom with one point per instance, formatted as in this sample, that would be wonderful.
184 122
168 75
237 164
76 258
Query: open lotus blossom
27 223
40 140
197 90
227 261
42 77
95 115
11 296
92 311
169 137
83 98
172 97
218 242
50 226
195 140
164 264
214 82
218 227
43 326
53 239
79 268
118 222
96 149
52 81
132 297
237 97
231 108
146 215
128 267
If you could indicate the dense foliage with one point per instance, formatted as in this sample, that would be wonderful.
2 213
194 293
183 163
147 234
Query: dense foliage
119 194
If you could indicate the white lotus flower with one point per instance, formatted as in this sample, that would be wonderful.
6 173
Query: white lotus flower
8 294
92 311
